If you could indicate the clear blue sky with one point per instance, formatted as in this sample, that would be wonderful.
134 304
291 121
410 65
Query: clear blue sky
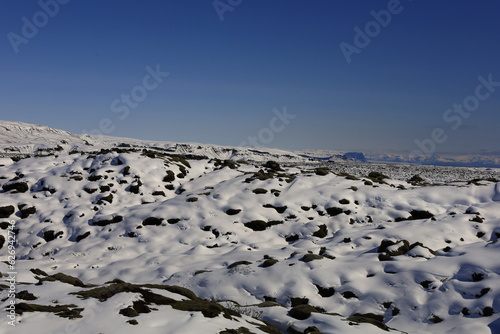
227 76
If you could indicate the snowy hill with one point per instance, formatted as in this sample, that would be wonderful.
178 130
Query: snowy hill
126 240
123 235
23 139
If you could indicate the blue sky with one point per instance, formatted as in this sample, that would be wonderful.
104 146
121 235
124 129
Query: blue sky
227 76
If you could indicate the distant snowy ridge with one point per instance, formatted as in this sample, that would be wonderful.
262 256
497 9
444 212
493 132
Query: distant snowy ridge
17 138
333 156
24 138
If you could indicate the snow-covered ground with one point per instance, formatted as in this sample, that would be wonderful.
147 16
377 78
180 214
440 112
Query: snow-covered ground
126 240
430 174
